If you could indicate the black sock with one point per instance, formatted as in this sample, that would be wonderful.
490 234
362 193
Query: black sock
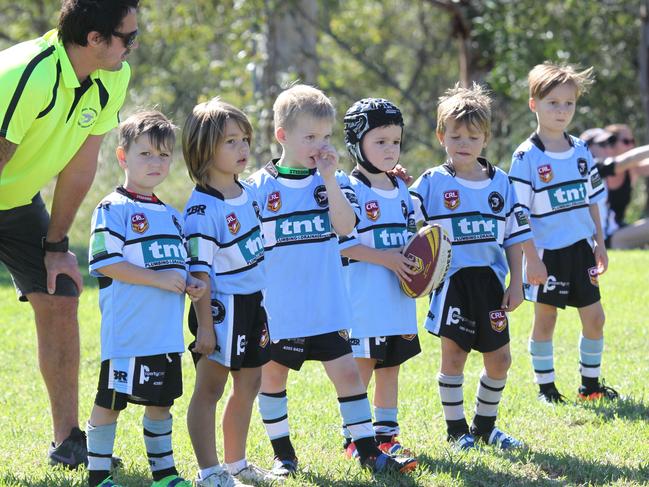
482 426
383 439
283 448
160 474
456 428
96 477
366 447
590 383
547 387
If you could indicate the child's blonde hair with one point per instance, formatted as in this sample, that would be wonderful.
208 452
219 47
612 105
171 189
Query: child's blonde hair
152 123
301 100
203 131
543 78
469 106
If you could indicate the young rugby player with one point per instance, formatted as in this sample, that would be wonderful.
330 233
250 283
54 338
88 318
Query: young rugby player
382 337
476 205
138 253
305 204
225 252
555 179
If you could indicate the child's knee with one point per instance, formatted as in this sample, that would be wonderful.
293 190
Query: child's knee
498 363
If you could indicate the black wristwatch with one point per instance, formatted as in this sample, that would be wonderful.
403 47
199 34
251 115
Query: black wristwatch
61 246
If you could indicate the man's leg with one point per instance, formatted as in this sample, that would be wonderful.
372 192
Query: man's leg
57 328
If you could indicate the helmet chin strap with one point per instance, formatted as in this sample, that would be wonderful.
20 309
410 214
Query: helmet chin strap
368 166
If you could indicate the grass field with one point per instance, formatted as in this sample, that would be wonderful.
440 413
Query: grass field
575 444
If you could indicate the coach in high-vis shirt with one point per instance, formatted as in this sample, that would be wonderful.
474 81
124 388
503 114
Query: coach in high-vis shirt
59 95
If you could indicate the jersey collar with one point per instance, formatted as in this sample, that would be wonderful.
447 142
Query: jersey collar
68 75
536 140
144 198
213 191
491 170
363 179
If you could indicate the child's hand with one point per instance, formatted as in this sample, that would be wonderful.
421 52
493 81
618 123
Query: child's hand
398 263
601 258
205 341
195 288
327 161
170 281
402 173
513 297
536 271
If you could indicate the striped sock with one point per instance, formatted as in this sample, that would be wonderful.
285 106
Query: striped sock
542 361
452 397
273 408
486 407
101 440
385 423
157 439
357 416
590 360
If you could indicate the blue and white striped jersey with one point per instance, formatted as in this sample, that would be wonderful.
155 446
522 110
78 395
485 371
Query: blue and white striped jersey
480 217
137 320
224 240
556 190
306 294
379 307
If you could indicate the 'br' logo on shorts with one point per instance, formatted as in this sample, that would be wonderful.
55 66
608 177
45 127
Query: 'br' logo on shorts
409 337
344 334
372 210
593 274
498 320
545 173
274 202
452 199
139 223
233 223
263 340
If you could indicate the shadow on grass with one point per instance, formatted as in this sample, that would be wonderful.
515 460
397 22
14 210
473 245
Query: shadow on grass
627 408
585 472
477 473
59 477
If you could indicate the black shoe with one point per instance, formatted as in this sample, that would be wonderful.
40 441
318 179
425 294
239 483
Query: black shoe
551 396
602 391
284 467
385 463
73 452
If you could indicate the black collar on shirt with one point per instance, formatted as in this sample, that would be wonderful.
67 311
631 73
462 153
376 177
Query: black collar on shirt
138 197
213 191
272 170
491 170
363 179
536 140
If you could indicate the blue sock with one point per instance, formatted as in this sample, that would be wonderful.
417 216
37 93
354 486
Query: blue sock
273 408
542 361
590 359
157 439
357 416
101 440
385 423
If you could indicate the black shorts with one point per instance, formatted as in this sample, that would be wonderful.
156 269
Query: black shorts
467 309
240 324
154 380
388 351
293 352
21 232
573 279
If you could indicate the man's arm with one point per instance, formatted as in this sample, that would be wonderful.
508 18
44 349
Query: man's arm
71 187
7 150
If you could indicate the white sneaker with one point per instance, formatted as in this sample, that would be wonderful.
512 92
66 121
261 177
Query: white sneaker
220 478
254 474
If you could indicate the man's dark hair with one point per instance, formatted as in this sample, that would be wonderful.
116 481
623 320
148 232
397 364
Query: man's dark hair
80 17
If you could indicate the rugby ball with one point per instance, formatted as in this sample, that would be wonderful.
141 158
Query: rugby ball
429 250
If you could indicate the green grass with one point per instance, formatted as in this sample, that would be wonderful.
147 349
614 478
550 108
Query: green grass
576 444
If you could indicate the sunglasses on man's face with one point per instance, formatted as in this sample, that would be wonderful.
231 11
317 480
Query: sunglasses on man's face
127 38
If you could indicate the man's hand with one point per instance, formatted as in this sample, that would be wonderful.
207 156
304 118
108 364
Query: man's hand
195 288
327 161
170 281
62 263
